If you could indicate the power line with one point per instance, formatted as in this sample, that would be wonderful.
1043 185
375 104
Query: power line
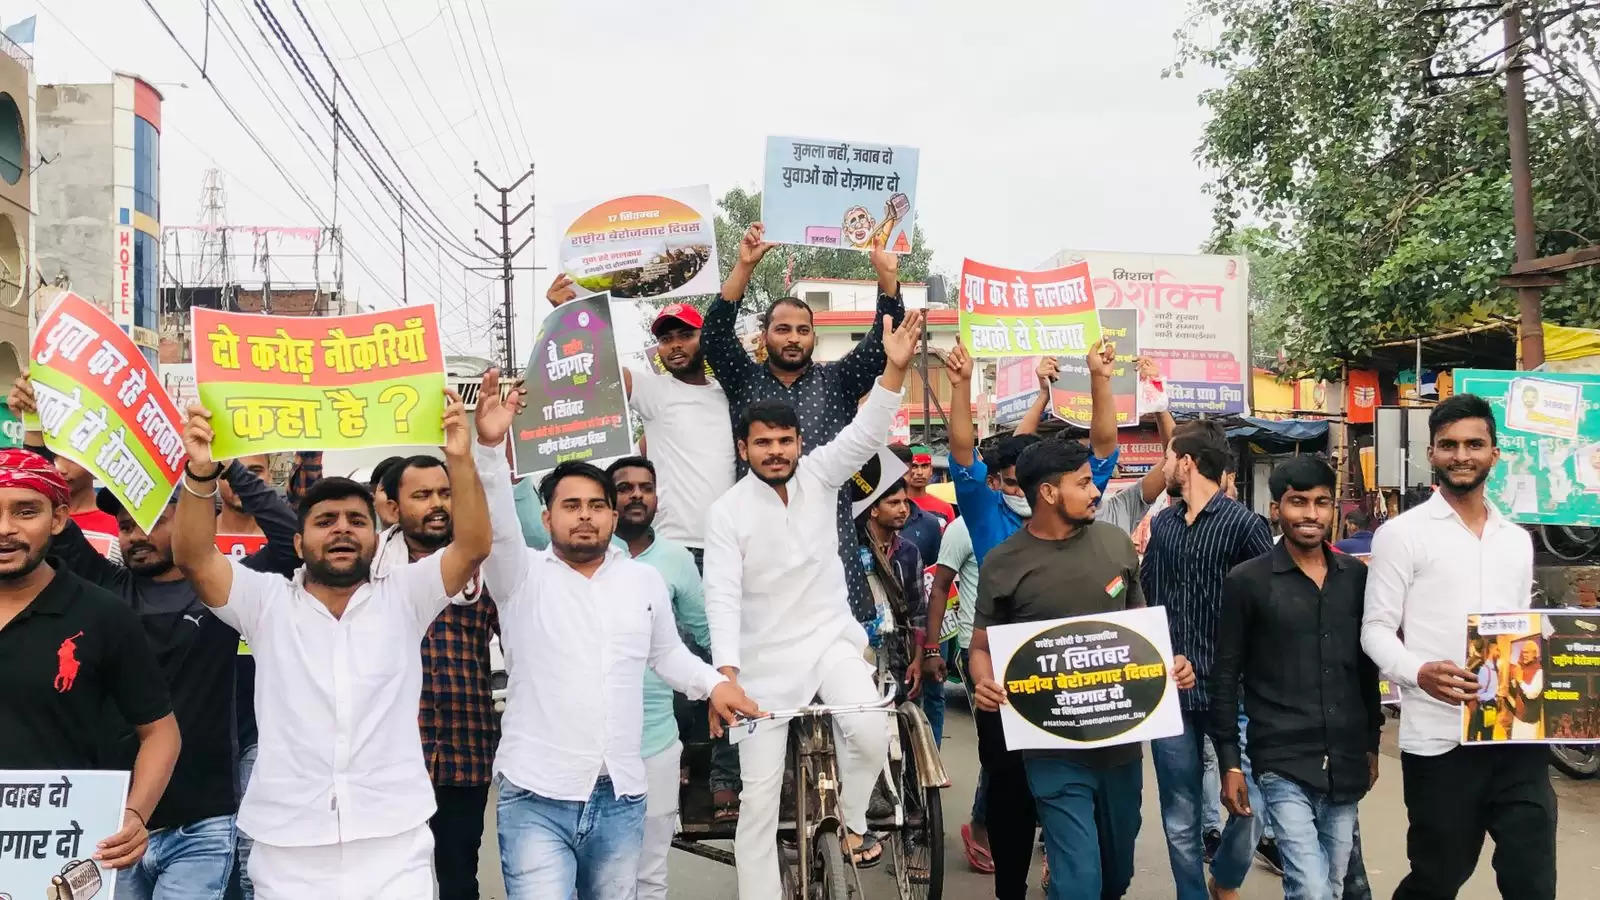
496 86
465 62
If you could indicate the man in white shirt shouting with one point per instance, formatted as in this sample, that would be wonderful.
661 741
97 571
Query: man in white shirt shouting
1430 568
580 622
778 607
339 801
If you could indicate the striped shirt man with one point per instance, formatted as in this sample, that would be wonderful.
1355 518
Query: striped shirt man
1183 569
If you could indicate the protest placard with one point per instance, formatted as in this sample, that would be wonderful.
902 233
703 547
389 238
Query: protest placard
1538 678
239 546
1193 320
1016 385
277 383
51 823
872 479
1086 681
178 381
102 406
1070 400
851 196
1008 312
1549 469
650 246
576 408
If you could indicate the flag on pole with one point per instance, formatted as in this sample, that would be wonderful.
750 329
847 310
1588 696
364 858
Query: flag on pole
22 32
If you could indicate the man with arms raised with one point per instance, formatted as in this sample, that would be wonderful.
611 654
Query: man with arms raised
580 623
1431 566
776 602
339 801
459 729
72 651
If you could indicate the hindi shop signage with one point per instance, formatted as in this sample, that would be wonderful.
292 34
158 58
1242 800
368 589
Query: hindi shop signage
1542 670
50 822
1086 681
836 194
646 246
103 407
1070 398
576 408
1008 312
1193 320
275 383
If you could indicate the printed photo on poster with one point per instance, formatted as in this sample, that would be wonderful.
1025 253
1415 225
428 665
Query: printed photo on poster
1538 677
275 383
850 196
576 407
1549 469
1086 681
1193 320
1009 312
1070 399
1544 407
1016 385
654 246
52 821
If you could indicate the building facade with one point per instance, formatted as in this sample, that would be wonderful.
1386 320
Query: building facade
98 192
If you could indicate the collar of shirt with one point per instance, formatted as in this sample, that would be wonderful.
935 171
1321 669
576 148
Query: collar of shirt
1283 562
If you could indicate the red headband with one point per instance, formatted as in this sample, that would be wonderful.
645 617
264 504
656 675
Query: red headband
28 470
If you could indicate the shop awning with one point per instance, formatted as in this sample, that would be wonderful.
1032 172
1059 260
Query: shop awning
1280 435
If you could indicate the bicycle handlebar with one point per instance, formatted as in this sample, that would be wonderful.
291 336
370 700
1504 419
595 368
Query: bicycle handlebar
883 704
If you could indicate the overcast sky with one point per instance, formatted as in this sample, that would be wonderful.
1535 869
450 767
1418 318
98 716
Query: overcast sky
1042 124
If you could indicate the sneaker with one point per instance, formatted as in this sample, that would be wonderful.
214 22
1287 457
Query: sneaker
1267 854
1213 840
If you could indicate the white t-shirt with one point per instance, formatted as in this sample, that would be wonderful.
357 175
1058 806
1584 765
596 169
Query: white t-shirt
955 553
688 438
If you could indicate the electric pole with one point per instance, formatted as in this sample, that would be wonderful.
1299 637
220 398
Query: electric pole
509 363
1529 296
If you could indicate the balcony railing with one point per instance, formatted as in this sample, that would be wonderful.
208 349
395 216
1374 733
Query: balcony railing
15 51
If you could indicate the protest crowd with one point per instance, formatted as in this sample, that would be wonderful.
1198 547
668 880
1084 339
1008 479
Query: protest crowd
315 719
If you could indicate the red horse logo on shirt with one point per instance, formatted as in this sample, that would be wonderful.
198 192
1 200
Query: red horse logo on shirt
67 664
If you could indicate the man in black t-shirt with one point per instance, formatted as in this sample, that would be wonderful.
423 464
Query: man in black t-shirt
71 650
1064 563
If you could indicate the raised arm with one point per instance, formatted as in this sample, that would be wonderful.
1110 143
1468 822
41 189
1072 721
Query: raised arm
276 520
1155 480
861 365
469 510
834 462
194 530
1103 403
507 567
963 440
732 365
1047 371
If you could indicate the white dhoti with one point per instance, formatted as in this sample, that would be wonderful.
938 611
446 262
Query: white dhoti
387 868
660 820
861 741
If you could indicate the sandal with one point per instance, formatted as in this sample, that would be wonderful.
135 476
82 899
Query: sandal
978 858
725 807
867 844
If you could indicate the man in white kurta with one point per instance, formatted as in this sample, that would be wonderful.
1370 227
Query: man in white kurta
778 608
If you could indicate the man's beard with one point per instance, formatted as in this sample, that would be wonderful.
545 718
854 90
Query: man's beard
31 560
696 363
1174 488
160 565
425 539
777 481
574 553
321 572
776 358
628 530
1443 476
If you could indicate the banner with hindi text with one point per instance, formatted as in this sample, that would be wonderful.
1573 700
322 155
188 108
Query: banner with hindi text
103 407
850 196
576 408
1070 398
1009 312
275 383
652 246
52 821
1538 675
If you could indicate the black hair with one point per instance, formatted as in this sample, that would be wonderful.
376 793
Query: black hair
334 488
895 488
901 452
1301 473
1204 441
1458 407
631 462
772 413
393 474
547 485
1359 519
1047 461
766 317
1009 450
381 469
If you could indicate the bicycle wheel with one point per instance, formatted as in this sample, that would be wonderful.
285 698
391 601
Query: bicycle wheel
919 844
831 870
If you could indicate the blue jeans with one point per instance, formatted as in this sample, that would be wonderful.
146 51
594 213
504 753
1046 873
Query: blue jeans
241 886
189 862
1212 789
1091 821
933 707
1180 776
550 849
1314 836
977 816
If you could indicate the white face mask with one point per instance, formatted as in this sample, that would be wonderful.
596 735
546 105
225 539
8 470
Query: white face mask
1018 504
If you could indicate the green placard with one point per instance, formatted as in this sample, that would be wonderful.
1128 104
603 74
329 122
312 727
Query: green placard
11 429
1549 432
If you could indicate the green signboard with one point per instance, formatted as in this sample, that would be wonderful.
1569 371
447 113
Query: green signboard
1549 430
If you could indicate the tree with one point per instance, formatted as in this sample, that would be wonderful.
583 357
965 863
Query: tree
1387 184
740 209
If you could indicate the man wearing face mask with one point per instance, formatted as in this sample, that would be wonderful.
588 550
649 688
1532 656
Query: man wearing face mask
192 830
456 717
1063 562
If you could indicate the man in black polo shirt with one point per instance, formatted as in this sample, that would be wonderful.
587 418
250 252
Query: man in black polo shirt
1064 563
1291 638
69 650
